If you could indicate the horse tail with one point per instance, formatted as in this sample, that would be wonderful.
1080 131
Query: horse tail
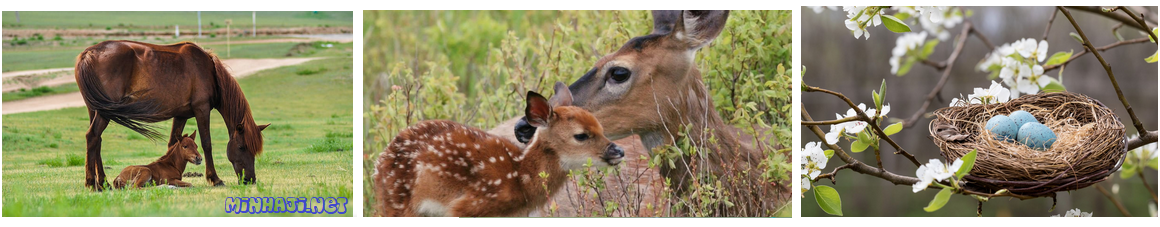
124 110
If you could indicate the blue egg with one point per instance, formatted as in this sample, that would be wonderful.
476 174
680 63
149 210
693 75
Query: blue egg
1022 117
1036 135
1003 127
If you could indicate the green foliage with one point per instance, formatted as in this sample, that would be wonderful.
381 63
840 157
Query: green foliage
1058 58
474 67
39 91
828 199
895 24
968 164
939 200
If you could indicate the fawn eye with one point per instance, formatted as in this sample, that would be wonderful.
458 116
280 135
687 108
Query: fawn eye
619 74
580 137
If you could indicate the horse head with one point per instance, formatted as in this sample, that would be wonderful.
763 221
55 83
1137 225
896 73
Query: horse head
244 146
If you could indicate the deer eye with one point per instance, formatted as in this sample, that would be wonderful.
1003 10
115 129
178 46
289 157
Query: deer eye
580 137
619 74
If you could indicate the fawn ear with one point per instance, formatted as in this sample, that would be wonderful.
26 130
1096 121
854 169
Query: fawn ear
563 96
538 110
696 28
263 127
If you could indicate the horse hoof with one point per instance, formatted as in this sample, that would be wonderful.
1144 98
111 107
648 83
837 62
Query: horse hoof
219 183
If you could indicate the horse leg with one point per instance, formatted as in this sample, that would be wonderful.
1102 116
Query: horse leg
178 127
179 183
202 118
94 167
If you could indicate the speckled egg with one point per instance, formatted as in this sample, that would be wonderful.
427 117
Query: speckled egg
1003 127
1022 117
1036 135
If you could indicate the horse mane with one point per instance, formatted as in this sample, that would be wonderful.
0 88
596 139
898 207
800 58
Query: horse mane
232 104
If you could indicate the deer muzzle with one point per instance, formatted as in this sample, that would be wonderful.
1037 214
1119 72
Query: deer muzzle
613 154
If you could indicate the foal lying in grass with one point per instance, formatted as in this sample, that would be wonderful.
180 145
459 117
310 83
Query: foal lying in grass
166 170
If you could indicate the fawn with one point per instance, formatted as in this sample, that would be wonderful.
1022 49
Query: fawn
442 168
166 170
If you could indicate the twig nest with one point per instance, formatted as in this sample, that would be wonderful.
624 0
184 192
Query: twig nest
1087 142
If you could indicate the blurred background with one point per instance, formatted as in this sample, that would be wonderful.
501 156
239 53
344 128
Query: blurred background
835 60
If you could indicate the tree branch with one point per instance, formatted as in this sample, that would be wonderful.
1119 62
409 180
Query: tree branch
873 123
832 122
1151 191
1087 43
1110 15
1114 200
1144 139
949 63
1137 19
1050 20
854 164
1085 51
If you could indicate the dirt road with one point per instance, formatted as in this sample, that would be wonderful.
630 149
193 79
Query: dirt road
238 68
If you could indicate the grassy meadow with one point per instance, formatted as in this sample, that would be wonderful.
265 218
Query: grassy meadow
473 67
136 19
307 152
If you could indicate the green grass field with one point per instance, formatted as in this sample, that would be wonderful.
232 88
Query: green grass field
42 58
40 91
101 20
307 152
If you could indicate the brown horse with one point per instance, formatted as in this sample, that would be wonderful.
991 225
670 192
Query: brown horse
133 83
166 170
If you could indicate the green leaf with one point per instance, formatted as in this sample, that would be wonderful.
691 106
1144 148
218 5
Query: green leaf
828 199
894 24
1127 170
1054 86
1153 164
1058 58
928 48
829 153
877 100
882 93
858 146
892 129
968 164
1152 59
1076 37
905 68
939 200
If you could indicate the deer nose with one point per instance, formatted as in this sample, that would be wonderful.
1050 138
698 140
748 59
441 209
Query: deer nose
524 131
613 154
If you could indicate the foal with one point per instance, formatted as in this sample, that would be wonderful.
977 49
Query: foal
166 170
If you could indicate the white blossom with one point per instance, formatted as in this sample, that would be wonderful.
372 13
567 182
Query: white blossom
859 17
1146 152
1075 213
934 171
939 21
934 14
819 9
992 95
905 44
1032 83
813 160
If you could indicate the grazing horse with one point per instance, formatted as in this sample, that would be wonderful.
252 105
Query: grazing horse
133 83
166 170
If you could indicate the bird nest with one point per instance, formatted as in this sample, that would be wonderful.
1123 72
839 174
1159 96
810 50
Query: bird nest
1089 146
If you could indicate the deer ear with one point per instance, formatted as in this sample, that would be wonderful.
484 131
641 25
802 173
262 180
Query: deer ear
263 127
696 28
563 96
538 110
664 20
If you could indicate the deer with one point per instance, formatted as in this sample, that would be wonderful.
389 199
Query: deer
443 168
167 170
652 88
